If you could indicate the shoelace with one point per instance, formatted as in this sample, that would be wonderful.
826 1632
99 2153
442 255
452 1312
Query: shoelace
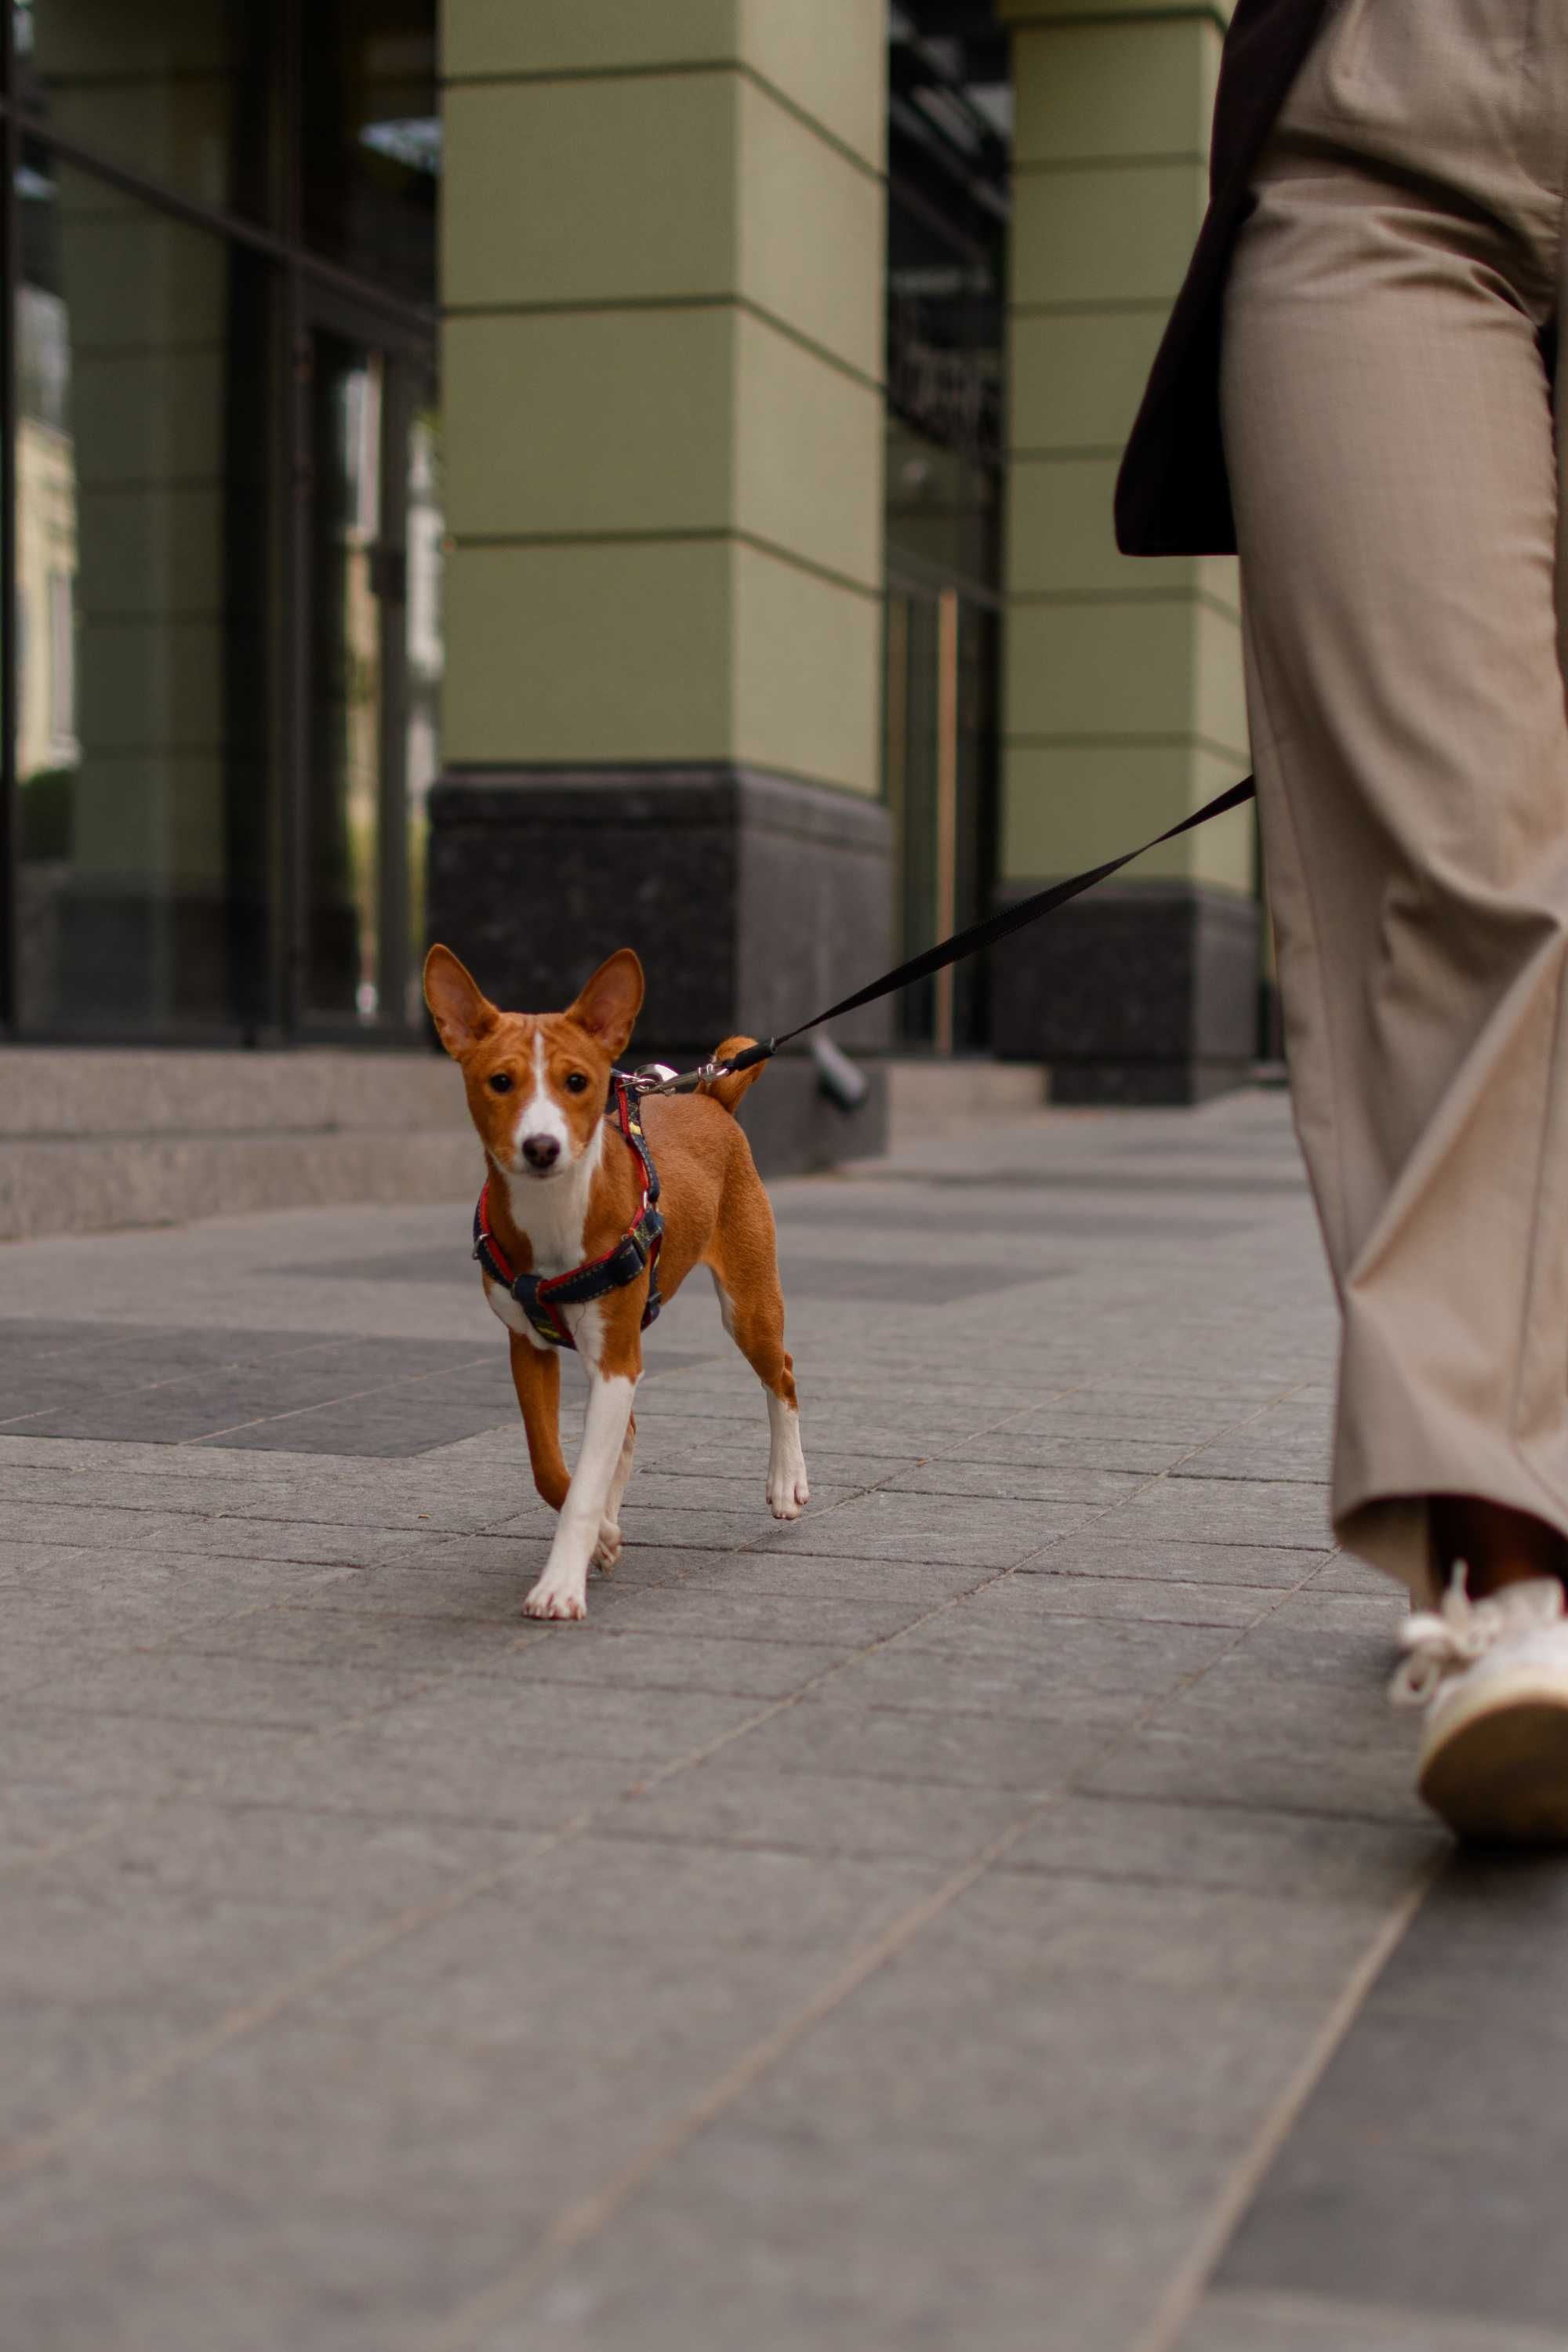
1448 1639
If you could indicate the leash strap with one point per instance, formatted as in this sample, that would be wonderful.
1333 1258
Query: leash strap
1000 926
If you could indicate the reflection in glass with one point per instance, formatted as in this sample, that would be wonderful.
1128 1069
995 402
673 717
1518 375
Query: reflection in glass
937 893
176 91
344 808
373 138
141 562
422 677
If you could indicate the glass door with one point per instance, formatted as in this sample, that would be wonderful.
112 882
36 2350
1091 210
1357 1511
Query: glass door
370 663
938 779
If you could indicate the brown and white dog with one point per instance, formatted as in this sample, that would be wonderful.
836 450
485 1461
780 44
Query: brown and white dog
564 1188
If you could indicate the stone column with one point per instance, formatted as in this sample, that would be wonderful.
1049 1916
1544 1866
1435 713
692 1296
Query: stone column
1123 705
662 352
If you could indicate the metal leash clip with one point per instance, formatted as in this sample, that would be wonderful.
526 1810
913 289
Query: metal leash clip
658 1079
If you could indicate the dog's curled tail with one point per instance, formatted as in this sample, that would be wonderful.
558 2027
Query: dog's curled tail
729 1090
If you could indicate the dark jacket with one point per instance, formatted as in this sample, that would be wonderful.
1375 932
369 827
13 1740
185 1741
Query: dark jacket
1172 497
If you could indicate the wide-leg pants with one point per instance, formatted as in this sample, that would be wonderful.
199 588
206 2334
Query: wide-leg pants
1389 409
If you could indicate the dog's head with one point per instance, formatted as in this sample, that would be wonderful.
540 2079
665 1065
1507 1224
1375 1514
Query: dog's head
537 1083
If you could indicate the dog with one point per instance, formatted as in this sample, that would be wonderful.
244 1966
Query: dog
567 1164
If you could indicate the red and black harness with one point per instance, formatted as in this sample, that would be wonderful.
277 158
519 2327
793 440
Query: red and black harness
540 1296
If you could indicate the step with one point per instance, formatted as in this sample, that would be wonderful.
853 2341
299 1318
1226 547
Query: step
932 1096
92 1138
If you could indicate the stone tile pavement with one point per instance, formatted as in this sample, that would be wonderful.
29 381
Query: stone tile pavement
991 1913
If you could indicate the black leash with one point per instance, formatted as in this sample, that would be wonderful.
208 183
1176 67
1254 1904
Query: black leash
985 934
658 1078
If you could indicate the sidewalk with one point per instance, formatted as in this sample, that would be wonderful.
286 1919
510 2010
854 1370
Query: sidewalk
957 1920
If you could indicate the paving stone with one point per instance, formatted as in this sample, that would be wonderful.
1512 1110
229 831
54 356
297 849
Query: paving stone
1093 1490
678 1660
521 1716
101 1973
399 1643
73 1603
68 1750
235 1849
655 1490
38 1823
728 1802
1039 1589
218 1482
1188 1423
891 1524
716 1608
967 1662
1095 1449
1107 1548
802 1578
187 1687
1379 1612
200 1404
1261 1452
246 1539
394 1426
1227 1510
935 1745
1290 1857
1229 2322
1396 2231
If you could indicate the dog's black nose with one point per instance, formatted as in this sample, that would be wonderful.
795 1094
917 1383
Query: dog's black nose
541 1151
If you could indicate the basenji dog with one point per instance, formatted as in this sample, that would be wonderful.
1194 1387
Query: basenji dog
564 1184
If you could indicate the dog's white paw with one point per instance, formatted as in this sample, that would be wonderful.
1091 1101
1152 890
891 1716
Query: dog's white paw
787 1491
607 1551
557 1600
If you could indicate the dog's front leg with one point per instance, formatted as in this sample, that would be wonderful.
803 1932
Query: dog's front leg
562 1590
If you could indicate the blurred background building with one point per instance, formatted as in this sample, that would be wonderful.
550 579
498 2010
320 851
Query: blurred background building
596 470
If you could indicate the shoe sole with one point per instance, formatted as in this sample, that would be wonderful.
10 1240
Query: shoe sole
1498 1770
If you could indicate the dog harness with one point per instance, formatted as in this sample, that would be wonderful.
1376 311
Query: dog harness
541 1296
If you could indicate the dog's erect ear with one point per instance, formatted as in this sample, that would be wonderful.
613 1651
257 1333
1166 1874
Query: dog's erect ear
461 1012
608 1006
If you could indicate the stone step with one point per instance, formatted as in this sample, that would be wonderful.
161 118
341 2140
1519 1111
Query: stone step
91 1138
935 1097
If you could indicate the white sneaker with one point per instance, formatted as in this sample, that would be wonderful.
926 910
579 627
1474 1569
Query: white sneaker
1493 1678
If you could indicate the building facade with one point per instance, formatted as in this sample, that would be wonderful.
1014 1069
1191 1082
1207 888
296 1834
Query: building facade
604 470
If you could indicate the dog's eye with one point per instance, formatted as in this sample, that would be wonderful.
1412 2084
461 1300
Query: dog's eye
501 1084
576 1083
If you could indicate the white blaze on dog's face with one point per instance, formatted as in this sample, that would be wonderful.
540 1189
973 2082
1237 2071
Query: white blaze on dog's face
537 1084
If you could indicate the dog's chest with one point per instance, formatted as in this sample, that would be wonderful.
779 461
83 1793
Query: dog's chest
582 1322
556 1220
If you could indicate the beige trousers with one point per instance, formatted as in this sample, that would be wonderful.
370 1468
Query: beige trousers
1389 427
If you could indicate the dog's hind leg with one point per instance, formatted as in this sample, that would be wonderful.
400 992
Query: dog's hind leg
753 1317
536 1377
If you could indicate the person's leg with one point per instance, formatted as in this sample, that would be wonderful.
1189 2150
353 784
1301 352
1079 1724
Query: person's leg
1389 430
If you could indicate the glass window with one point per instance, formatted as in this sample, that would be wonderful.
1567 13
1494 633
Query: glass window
140 577
372 140
374 636
228 536
343 854
175 90
422 674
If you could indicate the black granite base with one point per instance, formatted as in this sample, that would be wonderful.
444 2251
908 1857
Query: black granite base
752 900
1140 994
793 1127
